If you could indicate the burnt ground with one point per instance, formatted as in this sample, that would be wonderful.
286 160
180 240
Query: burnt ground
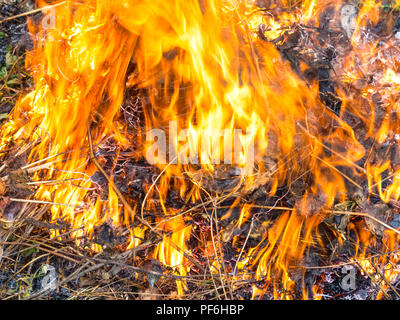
30 262
14 42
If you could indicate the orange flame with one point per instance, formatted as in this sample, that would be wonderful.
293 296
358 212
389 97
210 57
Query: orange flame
214 78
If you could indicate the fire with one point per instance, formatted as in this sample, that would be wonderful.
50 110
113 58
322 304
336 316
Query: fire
225 114
171 256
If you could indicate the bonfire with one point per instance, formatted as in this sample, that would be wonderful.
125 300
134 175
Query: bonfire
201 149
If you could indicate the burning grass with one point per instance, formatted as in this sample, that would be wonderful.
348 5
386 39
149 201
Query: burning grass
278 178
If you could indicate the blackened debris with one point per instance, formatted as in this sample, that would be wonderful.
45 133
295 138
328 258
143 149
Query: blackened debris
108 236
14 32
327 91
104 234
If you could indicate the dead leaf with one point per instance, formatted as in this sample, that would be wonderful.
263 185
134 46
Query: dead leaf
227 233
105 276
348 18
86 282
380 211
